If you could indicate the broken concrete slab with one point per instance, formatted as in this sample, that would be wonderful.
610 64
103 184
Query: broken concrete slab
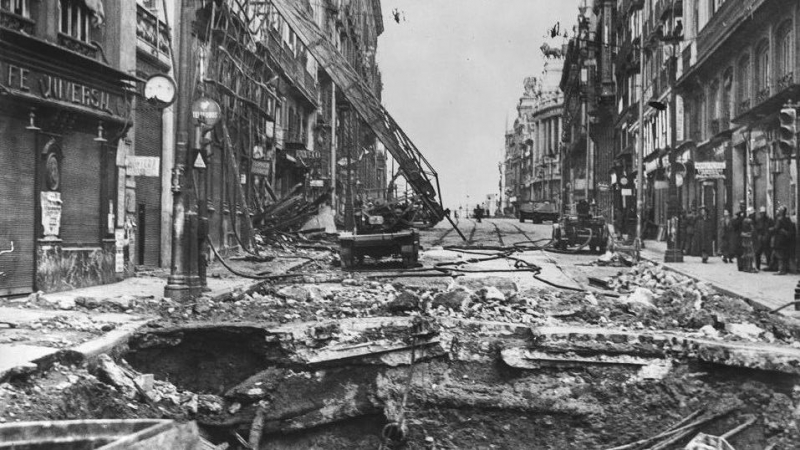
17 359
108 371
521 358
505 285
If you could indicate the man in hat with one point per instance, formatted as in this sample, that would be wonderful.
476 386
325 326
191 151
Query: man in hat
736 244
704 234
783 241
761 236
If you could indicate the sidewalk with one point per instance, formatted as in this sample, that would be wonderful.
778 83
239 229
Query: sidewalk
37 331
763 288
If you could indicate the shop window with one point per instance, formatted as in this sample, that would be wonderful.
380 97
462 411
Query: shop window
784 57
75 20
18 7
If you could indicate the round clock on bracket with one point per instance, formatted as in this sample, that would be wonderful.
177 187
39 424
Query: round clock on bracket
161 90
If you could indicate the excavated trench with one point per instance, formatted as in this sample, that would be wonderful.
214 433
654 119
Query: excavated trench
472 385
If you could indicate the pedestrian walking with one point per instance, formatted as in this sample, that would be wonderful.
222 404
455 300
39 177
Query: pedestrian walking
748 252
783 240
704 234
761 236
736 241
689 244
726 246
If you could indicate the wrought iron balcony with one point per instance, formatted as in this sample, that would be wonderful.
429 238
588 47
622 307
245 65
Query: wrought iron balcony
291 66
743 107
16 22
152 34
78 46
762 95
785 81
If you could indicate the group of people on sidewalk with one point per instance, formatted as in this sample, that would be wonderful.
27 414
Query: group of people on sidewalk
748 238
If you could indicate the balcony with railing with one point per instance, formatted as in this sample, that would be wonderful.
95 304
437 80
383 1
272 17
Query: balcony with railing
12 17
742 107
762 95
152 35
784 81
292 66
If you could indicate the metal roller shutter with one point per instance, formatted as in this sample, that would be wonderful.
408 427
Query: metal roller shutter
80 191
17 206
148 131
148 189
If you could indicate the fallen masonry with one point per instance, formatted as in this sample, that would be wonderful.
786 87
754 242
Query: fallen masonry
354 373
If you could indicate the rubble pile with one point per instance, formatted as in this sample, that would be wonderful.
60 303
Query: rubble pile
654 297
289 213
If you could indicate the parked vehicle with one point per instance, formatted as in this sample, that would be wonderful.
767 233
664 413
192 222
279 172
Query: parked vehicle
538 211
582 230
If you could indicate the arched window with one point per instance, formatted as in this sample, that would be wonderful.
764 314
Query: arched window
727 85
713 107
762 71
744 92
784 55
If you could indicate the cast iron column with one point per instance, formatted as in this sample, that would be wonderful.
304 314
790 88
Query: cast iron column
183 282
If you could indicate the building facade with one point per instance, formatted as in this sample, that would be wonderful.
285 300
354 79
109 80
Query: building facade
532 160
89 184
66 95
738 67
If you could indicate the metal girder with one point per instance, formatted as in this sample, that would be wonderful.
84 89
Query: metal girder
418 172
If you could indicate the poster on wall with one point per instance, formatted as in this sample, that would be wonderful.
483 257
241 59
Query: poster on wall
51 213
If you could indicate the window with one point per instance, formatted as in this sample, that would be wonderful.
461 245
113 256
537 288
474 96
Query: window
713 102
784 58
727 84
743 79
75 20
18 7
762 69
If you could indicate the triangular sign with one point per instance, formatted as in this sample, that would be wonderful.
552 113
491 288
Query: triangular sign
199 163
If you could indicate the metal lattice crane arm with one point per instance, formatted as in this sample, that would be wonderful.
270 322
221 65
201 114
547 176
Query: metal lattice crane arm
417 171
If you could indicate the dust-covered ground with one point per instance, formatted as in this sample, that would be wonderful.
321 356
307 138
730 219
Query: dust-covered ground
464 395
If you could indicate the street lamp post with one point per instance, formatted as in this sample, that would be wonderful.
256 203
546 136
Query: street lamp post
640 148
184 282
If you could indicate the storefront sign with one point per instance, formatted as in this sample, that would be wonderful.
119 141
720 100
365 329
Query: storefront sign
317 183
206 112
51 213
144 166
309 154
52 87
601 186
711 169
260 167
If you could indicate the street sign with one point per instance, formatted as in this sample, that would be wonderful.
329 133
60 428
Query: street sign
199 162
206 112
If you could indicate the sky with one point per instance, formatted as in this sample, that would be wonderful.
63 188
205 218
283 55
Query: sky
453 74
